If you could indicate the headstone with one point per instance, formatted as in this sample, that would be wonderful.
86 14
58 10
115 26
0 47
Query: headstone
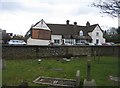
77 78
88 70
89 84
88 81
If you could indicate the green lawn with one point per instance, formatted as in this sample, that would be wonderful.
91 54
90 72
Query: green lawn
18 70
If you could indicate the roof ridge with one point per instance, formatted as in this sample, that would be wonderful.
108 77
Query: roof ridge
94 24
65 24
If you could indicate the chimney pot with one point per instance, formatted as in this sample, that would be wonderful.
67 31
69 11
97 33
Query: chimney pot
75 23
67 22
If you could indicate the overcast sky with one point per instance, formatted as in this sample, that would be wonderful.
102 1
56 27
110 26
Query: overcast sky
17 16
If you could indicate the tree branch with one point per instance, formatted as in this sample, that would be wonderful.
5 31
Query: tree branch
110 7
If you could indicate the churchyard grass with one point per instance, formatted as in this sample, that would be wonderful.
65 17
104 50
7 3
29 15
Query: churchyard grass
29 69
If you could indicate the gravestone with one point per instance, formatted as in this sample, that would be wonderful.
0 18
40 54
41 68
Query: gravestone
88 71
88 81
77 78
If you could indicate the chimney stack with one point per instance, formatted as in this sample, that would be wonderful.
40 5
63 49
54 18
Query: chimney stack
67 22
87 24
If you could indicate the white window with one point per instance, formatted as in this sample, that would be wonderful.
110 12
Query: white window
69 41
81 33
78 41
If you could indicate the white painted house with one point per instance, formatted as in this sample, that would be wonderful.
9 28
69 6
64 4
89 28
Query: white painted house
97 36
64 34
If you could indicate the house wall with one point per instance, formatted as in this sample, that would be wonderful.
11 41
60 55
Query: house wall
99 37
41 25
58 37
31 41
41 34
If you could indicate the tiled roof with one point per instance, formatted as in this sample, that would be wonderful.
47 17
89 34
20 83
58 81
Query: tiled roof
64 29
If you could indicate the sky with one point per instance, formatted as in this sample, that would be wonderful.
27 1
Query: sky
17 16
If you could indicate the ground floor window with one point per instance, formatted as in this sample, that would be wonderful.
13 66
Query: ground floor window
69 41
57 41
80 41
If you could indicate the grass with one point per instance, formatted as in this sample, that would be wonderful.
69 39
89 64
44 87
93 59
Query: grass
30 69
0 77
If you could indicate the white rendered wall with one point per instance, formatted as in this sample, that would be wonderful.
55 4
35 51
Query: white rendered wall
31 41
59 37
100 36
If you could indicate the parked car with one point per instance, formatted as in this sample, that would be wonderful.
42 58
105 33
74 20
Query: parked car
91 43
17 42
109 43
80 43
118 44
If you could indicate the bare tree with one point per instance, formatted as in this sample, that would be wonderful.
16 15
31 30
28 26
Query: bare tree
111 7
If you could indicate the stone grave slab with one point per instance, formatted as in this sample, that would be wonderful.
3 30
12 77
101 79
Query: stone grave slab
59 82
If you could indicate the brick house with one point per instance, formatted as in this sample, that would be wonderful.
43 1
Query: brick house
68 34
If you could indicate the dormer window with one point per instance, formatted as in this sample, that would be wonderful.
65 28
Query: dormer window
81 33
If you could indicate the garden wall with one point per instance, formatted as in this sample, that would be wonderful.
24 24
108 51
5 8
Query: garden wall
29 52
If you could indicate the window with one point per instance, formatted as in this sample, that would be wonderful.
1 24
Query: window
56 41
97 33
97 41
78 41
81 33
69 41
